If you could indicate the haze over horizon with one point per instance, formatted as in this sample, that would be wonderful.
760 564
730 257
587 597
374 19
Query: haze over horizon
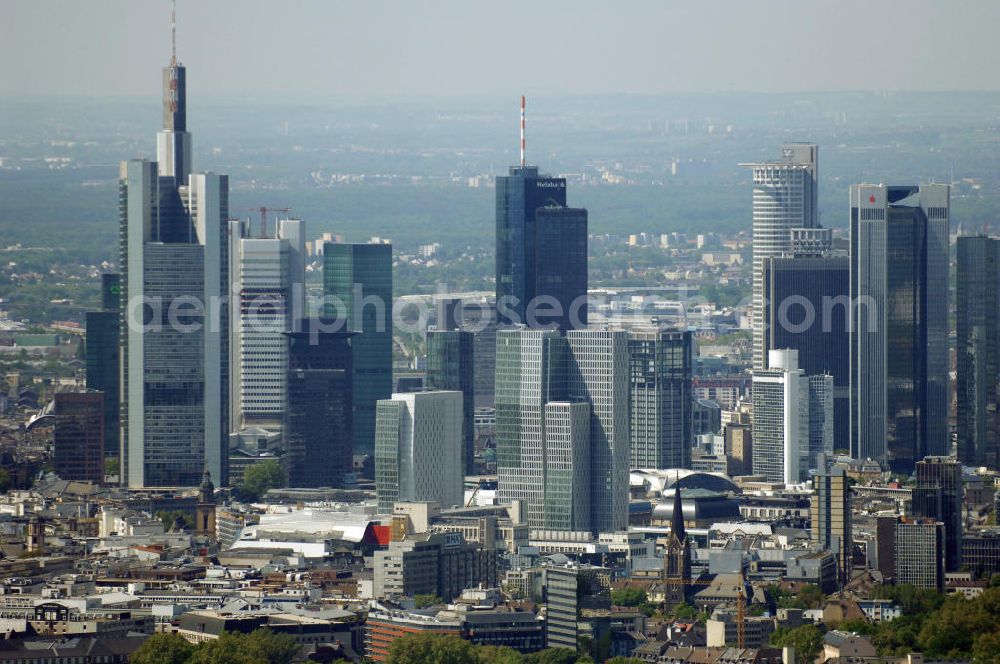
321 51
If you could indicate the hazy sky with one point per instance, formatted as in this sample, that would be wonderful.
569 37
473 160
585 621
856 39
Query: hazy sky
412 48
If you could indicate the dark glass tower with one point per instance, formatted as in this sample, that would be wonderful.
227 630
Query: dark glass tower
938 495
806 308
660 402
78 436
450 366
102 360
358 278
978 351
899 349
541 249
319 415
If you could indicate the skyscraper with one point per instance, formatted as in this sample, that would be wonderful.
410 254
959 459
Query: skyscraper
539 376
939 496
530 372
978 351
102 360
318 412
899 349
418 449
78 436
358 277
268 295
784 199
807 308
451 366
598 372
660 399
919 553
780 419
541 250
830 513
173 247
821 421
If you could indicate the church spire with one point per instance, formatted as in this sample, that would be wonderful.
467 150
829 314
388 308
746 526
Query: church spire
677 515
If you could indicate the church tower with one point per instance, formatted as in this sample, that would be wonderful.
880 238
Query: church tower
204 522
677 557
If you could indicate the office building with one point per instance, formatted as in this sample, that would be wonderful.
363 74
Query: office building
78 436
939 495
418 449
567 465
738 446
821 420
899 350
530 372
541 250
268 294
175 357
102 356
569 590
807 308
781 419
536 368
480 318
451 366
977 353
784 199
319 418
358 279
660 400
919 553
441 564
830 513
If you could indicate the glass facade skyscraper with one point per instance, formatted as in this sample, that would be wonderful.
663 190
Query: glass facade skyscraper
807 309
418 449
541 250
318 415
451 366
978 351
78 436
102 358
175 334
939 496
785 200
358 278
899 350
660 398
540 378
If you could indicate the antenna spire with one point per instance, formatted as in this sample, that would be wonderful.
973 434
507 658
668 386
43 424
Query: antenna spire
522 131
173 33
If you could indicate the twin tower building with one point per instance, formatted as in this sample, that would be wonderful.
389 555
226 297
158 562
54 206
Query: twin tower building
856 337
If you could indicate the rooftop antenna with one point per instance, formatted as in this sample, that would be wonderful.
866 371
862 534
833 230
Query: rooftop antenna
522 131
173 33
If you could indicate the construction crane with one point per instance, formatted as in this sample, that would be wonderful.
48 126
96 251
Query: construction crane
263 210
741 615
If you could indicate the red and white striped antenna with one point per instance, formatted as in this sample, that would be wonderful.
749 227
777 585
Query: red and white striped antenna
173 33
522 131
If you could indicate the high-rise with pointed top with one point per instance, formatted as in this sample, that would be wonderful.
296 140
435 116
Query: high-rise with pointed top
173 253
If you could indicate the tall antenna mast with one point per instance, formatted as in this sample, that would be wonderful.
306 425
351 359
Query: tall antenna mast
173 33
522 131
